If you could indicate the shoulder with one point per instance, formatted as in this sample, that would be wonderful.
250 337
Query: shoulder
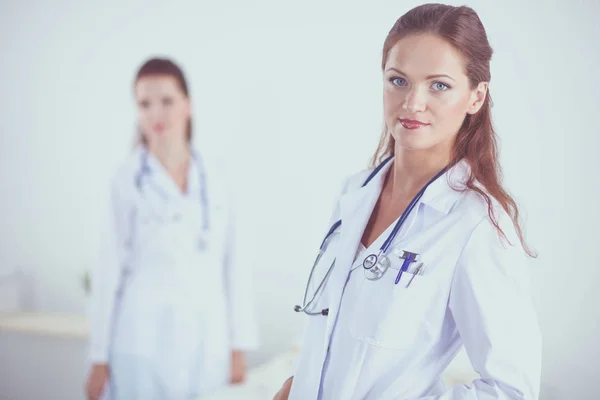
481 217
355 180
479 206
489 256
216 170
493 230
219 179
124 177
360 178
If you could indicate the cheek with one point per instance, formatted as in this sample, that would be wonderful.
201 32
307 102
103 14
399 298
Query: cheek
177 112
392 102
144 118
450 110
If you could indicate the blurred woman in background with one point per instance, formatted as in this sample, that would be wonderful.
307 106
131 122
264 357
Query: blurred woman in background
171 313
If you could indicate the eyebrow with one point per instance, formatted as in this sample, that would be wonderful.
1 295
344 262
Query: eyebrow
427 77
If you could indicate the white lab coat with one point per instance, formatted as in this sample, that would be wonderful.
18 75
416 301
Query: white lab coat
165 314
383 341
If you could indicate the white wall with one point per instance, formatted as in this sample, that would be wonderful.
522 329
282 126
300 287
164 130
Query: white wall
291 93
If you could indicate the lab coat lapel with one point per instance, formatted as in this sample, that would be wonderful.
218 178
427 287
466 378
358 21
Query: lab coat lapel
355 210
161 177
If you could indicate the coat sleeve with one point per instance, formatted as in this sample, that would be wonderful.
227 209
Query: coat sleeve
239 291
107 273
495 318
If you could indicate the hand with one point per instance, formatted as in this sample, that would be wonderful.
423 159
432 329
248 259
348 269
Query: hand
284 392
96 381
238 366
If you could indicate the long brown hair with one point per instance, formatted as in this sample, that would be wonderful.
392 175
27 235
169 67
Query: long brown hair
476 141
165 67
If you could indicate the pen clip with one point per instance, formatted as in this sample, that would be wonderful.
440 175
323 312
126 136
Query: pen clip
408 258
417 272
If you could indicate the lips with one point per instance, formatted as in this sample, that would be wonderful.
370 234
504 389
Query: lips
412 123
158 127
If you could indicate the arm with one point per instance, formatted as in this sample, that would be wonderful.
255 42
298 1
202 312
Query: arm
495 318
106 277
284 392
243 334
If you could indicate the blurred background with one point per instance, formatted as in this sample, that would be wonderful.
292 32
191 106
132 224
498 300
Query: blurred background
288 94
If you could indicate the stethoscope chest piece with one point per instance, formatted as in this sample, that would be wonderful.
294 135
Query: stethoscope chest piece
377 269
370 261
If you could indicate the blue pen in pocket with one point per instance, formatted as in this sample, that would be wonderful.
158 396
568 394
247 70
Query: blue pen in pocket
408 258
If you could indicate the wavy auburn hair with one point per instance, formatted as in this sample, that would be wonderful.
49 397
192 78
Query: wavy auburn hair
476 141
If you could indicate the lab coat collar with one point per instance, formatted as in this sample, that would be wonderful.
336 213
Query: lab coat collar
159 174
355 197
356 206
440 195
443 193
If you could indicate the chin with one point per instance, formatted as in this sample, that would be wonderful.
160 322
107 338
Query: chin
412 142
161 136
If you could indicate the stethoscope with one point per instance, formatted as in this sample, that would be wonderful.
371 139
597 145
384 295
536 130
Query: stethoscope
145 171
374 265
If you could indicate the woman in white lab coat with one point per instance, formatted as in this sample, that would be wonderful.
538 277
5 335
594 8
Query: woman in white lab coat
171 313
429 256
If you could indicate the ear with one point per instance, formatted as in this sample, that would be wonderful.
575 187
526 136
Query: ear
477 98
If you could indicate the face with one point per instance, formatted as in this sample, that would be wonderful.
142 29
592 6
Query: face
427 93
163 109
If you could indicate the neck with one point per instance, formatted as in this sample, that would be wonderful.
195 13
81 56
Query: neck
412 170
172 155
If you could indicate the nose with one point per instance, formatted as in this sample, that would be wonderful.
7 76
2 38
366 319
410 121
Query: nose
414 101
155 116
156 111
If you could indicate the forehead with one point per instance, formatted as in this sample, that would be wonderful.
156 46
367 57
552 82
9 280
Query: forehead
156 85
426 54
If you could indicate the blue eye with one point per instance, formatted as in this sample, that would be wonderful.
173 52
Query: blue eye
440 87
398 81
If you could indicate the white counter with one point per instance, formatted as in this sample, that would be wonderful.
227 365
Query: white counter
43 356
55 325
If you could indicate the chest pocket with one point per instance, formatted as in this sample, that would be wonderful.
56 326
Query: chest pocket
155 227
166 231
392 315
